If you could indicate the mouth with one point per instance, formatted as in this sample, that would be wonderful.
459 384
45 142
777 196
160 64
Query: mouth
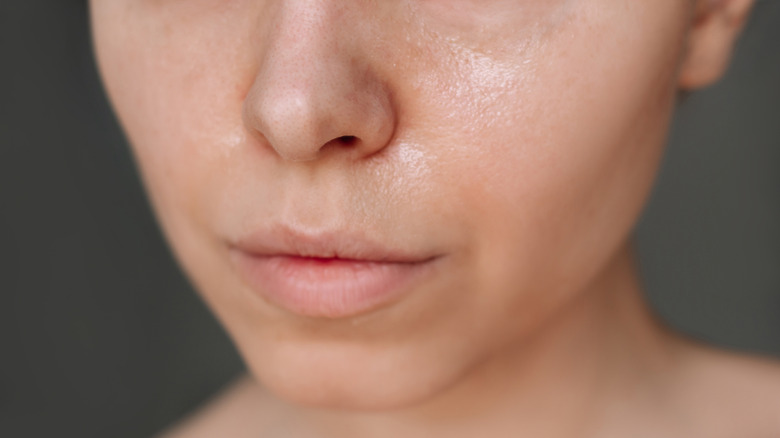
326 275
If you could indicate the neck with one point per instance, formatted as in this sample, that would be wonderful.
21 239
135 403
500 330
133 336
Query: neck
570 378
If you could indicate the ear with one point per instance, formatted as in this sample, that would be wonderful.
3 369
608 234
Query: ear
714 30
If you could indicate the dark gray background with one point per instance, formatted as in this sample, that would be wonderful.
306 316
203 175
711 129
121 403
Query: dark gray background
101 335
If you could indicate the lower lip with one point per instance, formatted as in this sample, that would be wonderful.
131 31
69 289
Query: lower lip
326 288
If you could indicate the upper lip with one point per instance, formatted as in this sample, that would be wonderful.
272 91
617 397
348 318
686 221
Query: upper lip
282 240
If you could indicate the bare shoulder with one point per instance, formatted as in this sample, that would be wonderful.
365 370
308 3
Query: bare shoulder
734 394
240 410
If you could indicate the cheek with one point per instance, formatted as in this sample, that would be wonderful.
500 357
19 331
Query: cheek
181 114
561 154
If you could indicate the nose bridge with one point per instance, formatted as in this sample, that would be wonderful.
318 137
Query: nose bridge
303 31
311 88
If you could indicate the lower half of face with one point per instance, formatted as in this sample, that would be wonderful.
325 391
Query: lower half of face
374 197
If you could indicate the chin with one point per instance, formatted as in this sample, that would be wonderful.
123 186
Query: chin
354 378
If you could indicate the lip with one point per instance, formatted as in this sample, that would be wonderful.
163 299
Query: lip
328 274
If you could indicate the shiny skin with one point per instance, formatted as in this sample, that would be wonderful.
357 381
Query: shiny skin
516 141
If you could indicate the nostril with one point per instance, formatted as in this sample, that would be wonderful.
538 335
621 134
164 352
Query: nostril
347 140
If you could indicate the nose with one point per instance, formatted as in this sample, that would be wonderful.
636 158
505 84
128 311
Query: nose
316 92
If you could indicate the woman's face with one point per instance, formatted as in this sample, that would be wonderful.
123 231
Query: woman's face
478 163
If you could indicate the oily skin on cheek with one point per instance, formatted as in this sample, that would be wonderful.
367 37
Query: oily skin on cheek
579 182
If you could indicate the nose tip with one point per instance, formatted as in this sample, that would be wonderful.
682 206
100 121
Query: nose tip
304 123
315 93
288 121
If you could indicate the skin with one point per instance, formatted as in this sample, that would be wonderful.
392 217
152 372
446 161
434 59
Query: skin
515 140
